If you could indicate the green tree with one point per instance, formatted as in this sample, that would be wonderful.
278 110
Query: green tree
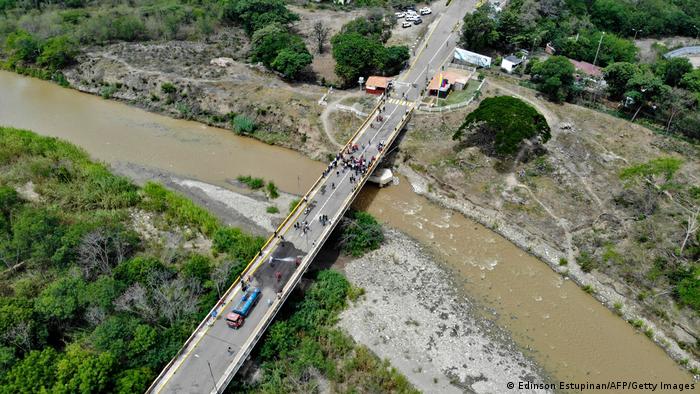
355 56
501 124
268 41
36 235
21 47
395 58
479 30
291 62
256 14
691 81
197 266
554 77
57 52
134 380
62 300
36 373
617 75
671 71
644 88
362 234
82 371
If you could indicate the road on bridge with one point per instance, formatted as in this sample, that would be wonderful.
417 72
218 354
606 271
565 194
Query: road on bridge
214 352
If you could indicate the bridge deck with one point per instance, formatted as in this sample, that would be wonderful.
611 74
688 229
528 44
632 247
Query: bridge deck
205 362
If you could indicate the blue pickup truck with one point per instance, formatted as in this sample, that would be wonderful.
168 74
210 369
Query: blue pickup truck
237 316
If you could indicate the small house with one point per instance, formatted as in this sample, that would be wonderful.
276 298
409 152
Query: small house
510 63
377 85
444 81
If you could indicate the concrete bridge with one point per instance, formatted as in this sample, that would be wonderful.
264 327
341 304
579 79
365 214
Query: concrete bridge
213 354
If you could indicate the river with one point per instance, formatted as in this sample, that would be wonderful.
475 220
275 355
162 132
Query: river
565 330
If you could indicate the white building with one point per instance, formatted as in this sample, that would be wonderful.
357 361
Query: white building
462 56
510 63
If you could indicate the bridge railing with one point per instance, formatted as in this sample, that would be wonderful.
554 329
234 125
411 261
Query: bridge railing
308 259
227 293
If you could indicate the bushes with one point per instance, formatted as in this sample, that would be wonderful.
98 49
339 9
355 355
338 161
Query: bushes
272 190
177 209
240 246
243 125
113 318
253 183
361 234
307 340
57 52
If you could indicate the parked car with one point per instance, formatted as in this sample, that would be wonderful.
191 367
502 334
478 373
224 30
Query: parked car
400 15
426 11
411 12
411 18
406 24
418 21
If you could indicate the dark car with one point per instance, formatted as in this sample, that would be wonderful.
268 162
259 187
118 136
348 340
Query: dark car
418 21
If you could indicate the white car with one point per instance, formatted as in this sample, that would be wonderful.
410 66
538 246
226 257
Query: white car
400 15
406 24
425 11
411 12
411 18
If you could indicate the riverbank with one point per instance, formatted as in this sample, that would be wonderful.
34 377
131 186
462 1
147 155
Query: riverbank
568 203
459 348
412 314
541 310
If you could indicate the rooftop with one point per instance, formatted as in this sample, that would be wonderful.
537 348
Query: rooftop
587 68
377 82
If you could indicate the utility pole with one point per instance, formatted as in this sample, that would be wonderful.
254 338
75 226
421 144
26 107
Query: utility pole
598 50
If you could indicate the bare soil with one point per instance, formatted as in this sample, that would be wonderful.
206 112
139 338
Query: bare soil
568 201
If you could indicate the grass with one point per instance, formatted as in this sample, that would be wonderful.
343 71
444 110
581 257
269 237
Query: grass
459 96
293 204
272 209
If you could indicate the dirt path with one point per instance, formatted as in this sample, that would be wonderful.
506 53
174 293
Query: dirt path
331 107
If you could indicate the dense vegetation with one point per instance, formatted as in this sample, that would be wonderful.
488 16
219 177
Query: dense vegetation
87 304
576 25
359 50
666 92
42 37
361 233
303 343
501 125
666 208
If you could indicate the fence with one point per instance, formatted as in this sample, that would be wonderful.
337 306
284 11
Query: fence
685 51
452 107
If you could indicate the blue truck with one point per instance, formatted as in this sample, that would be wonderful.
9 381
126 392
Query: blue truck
237 316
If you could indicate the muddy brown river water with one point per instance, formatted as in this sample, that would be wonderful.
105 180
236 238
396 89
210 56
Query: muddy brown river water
567 332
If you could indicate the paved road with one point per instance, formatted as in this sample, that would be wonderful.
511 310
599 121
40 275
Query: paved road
206 364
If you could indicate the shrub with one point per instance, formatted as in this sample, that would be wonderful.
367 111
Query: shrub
272 209
272 191
178 209
243 125
168 88
108 91
293 204
253 183
586 261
